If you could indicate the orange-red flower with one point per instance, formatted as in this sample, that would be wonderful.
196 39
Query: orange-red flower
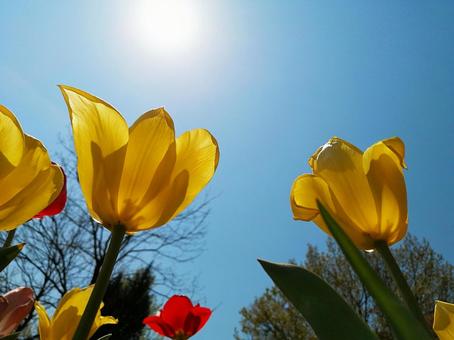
58 204
179 319
14 307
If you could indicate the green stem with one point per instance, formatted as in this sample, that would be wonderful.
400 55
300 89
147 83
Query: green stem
9 238
83 330
401 319
402 285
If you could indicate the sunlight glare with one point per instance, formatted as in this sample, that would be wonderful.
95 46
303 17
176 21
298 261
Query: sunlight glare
166 25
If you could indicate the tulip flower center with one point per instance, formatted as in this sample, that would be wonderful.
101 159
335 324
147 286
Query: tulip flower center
181 335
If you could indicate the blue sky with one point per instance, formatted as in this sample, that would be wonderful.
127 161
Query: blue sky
272 81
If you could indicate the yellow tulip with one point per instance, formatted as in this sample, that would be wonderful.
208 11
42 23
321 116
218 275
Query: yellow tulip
29 182
364 192
444 320
138 177
67 316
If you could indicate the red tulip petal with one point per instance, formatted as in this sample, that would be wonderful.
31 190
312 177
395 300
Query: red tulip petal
19 296
179 316
3 306
159 326
176 310
196 319
13 319
58 204
191 325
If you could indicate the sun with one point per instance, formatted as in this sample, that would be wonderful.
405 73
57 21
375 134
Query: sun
165 26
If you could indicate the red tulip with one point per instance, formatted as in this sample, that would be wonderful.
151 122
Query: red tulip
179 319
58 204
14 307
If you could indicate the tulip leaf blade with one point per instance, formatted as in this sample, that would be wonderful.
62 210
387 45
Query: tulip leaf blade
402 321
8 254
324 309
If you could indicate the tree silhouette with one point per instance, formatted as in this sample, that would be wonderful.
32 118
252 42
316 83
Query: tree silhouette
128 299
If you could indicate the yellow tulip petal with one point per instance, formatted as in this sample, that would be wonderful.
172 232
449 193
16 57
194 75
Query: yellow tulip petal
69 311
44 322
305 192
11 141
160 210
313 159
444 320
197 157
398 147
39 194
100 138
105 185
383 168
34 160
76 298
198 154
149 140
100 321
339 163
65 326
36 196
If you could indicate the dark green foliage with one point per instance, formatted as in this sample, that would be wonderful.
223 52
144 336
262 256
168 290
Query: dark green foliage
8 254
128 299
429 275
272 317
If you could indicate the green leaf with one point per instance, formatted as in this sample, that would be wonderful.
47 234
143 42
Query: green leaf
404 324
8 254
329 315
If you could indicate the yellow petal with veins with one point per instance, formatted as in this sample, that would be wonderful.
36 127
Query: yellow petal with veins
100 137
30 187
34 161
306 190
383 168
44 324
340 165
69 312
11 142
396 145
444 320
149 140
66 318
100 321
198 154
161 209
194 158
